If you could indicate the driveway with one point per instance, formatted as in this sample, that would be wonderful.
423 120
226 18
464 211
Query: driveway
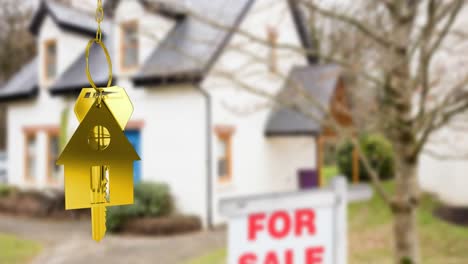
70 242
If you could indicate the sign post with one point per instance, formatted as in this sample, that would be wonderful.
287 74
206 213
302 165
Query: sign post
302 227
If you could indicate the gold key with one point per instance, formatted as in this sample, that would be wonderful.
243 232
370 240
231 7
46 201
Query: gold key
99 198
98 163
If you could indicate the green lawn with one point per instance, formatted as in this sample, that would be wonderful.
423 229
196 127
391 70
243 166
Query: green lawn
215 257
370 236
17 251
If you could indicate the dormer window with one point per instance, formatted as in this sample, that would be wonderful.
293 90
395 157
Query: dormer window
129 45
50 59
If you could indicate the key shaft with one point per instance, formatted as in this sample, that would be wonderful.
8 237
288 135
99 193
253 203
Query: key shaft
99 198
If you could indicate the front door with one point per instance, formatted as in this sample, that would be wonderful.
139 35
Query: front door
134 136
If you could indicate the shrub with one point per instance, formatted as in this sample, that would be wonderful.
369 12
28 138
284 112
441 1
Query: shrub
117 215
151 200
5 190
154 199
378 151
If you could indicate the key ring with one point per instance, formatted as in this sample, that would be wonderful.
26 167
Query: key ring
109 63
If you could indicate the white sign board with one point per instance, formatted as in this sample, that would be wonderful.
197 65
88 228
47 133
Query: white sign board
306 227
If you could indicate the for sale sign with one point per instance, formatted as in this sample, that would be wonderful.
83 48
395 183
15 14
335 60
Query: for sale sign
295 228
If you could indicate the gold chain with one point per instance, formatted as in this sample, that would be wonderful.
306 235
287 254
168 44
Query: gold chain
99 19
98 40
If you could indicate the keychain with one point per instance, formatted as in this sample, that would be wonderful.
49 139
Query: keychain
98 159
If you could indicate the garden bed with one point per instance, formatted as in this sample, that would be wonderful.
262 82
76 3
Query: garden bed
37 204
162 226
454 215
151 214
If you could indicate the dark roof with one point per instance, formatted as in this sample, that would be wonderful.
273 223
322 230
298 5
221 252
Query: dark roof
74 78
24 84
303 28
163 7
318 82
65 17
193 45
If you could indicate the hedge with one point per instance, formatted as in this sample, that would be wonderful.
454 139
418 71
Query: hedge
378 151
150 200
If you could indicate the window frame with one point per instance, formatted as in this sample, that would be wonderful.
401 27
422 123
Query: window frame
272 38
27 136
123 45
34 132
51 132
225 133
47 59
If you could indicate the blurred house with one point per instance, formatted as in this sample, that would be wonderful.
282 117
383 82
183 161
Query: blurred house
196 126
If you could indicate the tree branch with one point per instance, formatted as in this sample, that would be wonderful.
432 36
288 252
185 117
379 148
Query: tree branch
387 43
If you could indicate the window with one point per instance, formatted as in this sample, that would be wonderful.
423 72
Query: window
42 145
129 45
31 157
272 35
53 170
224 153
50 59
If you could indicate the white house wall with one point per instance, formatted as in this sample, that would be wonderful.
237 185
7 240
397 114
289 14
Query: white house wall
43 112
444 178
260 164
173 149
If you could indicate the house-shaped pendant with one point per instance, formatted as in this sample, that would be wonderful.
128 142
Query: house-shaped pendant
98 145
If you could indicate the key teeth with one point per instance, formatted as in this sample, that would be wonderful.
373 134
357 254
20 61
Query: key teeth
99 225
103 227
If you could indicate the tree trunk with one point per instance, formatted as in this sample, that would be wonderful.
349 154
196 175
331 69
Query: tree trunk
405 215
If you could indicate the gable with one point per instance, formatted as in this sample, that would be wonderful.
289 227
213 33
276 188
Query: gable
78 148
339 105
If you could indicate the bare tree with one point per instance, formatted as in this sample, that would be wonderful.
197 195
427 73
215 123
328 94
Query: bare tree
14 37
16 46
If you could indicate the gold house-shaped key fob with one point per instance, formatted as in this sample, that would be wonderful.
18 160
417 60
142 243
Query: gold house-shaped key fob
98 163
